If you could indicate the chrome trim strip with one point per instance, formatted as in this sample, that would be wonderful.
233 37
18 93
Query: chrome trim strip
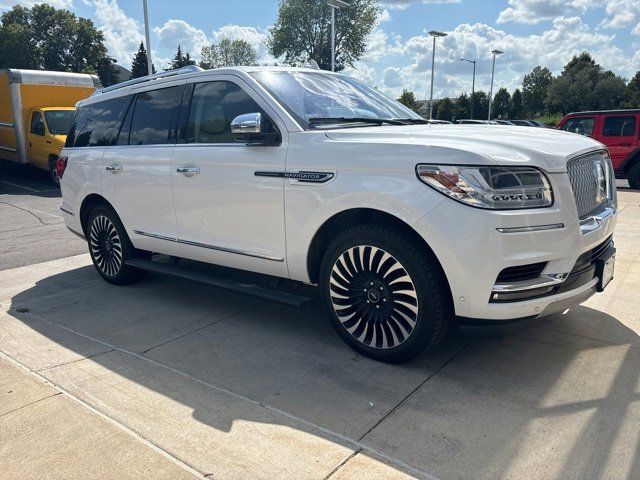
67 211
535 228
210 247
6 124
7 149
594 222
546 280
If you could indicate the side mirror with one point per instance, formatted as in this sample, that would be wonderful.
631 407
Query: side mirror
253 129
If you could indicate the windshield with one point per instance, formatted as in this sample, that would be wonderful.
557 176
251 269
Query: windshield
59 121
310 95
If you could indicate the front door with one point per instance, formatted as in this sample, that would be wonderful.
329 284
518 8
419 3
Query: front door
39 146
227 214
136 175
619 134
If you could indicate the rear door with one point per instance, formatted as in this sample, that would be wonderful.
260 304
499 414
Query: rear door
137 169
619 134
227 212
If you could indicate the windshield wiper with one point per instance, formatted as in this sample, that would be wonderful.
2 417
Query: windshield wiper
412 121
337 120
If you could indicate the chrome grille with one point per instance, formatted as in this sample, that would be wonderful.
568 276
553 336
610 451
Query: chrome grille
584 182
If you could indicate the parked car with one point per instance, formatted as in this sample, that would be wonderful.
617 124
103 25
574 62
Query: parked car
536 123
619 131
36 108
504 122
407 229
522 123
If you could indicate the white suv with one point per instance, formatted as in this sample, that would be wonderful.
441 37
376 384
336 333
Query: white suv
406 227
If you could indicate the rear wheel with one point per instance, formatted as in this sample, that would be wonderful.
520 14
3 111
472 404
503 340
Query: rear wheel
385 294
110 247
634 176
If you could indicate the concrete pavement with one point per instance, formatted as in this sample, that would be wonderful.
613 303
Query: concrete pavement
231 387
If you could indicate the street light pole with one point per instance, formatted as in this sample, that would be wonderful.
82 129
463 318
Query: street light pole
334 4
435 35
147 37
473 82
493 69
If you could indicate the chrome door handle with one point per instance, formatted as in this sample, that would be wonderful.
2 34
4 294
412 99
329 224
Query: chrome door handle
188 171
113 168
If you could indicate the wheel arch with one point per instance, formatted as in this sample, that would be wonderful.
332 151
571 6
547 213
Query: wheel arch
632 159
89 203
350 218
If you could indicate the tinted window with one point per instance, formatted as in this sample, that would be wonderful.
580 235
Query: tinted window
37 124
214 105
581 125
154 118
95 125
619 126
58 121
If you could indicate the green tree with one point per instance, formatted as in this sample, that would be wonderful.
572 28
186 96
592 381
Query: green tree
43 37
180 60
480 104
446 109
534 90
517 107
227 53
463 107
501 106
139 65
632 95
584 85
302 31
408 99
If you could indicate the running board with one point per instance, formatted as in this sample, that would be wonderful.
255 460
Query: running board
266 293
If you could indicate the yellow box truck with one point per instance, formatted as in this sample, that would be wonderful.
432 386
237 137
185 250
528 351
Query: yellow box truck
36 109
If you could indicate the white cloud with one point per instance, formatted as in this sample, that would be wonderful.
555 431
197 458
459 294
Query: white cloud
178 32
536 11
122 34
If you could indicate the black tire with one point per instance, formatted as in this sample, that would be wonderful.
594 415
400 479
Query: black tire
110 247
634 176
389 306
53 171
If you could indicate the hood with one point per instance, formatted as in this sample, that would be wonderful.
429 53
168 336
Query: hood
503 145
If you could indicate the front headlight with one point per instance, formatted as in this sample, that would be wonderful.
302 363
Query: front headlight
495 188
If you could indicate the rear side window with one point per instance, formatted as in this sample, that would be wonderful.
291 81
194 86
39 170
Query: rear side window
95 125
214 105
619 126
581 125
152 118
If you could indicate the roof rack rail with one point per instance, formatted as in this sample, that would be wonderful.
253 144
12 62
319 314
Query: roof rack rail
148 78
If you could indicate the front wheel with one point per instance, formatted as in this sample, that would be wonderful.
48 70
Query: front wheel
385 293
110 247
634 176
53 172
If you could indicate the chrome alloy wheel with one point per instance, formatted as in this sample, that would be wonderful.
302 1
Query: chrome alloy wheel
106 247
374 297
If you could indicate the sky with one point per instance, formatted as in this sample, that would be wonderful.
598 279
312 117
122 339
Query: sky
530 32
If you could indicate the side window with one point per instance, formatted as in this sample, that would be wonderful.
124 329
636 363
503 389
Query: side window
95 125
214 105
37 124
154 117
619 126
581 125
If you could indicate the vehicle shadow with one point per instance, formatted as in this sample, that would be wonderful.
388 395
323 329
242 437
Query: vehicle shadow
18 179
481 399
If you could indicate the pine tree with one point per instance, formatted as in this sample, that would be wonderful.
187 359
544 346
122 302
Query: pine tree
181 60
139 63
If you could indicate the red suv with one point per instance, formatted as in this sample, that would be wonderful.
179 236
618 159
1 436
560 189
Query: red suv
619 131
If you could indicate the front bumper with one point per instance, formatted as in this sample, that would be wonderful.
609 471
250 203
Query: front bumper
474 246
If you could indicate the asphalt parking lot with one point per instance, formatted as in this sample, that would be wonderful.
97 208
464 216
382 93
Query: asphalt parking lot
171 379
